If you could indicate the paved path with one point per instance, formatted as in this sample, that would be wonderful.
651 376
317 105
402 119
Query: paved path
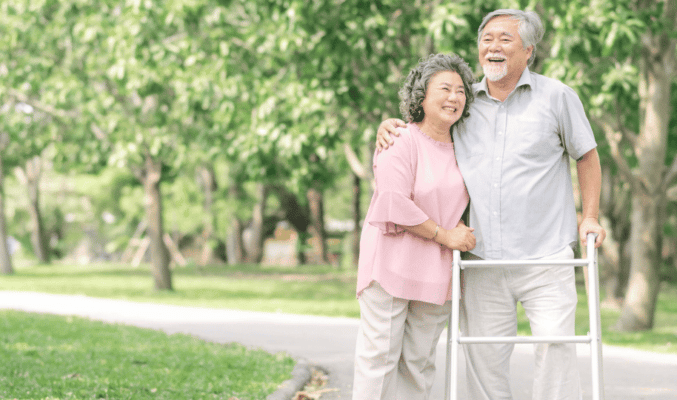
329 342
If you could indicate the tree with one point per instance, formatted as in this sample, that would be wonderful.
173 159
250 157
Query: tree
34 94
282 132
621 57
5 259
352 54
164 76
131 81
30 175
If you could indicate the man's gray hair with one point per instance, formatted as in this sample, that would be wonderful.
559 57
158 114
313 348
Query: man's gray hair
415 85
530 28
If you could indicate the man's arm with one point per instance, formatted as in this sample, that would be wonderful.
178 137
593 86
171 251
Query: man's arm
590 182
387 128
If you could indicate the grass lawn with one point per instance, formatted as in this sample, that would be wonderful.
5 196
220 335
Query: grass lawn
56 357
317 290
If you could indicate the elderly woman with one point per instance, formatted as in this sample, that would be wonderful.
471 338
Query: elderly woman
412 226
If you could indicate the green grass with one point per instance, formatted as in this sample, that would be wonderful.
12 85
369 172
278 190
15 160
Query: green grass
316 290
55 357
662 338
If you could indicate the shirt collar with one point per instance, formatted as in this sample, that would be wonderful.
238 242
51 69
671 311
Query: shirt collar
525 80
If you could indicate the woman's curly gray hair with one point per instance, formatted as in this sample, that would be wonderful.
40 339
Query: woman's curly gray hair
415 85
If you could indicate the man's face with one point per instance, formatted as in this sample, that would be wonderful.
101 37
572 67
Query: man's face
501 51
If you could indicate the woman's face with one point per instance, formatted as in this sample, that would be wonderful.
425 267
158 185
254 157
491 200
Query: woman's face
444 99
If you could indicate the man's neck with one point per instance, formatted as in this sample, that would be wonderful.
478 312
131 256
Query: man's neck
502 88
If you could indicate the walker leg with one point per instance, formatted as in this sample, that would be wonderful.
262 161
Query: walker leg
452 373
447 374
595 321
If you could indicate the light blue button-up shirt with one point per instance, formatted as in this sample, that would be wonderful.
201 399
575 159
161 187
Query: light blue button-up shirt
514 157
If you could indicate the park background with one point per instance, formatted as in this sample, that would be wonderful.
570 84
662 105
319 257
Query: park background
208 138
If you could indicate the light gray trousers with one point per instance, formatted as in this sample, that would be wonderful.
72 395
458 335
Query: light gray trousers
488 308
395 350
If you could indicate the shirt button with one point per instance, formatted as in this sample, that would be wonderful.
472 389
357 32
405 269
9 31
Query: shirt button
500 133
495 184
498 158
495 213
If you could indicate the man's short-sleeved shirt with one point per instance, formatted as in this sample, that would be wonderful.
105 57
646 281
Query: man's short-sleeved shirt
514 157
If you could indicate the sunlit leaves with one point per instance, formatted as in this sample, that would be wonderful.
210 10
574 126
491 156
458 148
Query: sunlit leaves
594 49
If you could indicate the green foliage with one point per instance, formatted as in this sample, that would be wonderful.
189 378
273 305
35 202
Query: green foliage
594 49
265 90
38 70
73 358
454 26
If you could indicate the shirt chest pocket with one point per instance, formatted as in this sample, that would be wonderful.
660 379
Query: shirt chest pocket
535 139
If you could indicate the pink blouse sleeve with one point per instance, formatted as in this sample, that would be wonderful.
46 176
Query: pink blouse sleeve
395 172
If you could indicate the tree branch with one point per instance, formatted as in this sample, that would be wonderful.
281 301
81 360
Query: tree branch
65 116
98 132
631 137
354 162
670 177
612 137
672 193
46 108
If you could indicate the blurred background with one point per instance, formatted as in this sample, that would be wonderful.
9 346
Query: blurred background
198 132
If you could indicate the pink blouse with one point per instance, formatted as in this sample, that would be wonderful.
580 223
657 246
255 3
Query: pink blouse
416 179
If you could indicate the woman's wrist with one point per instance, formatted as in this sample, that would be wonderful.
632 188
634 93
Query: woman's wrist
440 236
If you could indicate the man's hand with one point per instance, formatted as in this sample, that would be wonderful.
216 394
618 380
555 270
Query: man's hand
590 225
459 238
387 128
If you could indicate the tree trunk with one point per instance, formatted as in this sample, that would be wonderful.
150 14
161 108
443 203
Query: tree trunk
234 243
640 300
159 256
298 216
614 257
5 257
615 262
235 252
357 217
301 244
31 178
208 183
316 205
657 67
254 242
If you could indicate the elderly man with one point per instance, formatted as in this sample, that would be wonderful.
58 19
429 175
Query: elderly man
513 152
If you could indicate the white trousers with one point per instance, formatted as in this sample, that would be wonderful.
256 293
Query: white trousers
488 308
396 342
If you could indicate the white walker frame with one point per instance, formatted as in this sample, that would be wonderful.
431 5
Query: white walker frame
594 336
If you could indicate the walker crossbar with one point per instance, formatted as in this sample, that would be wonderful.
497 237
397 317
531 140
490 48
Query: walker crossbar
594 336
524 339
525 263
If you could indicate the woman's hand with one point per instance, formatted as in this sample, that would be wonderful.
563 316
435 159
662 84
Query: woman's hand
387 128
459 238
